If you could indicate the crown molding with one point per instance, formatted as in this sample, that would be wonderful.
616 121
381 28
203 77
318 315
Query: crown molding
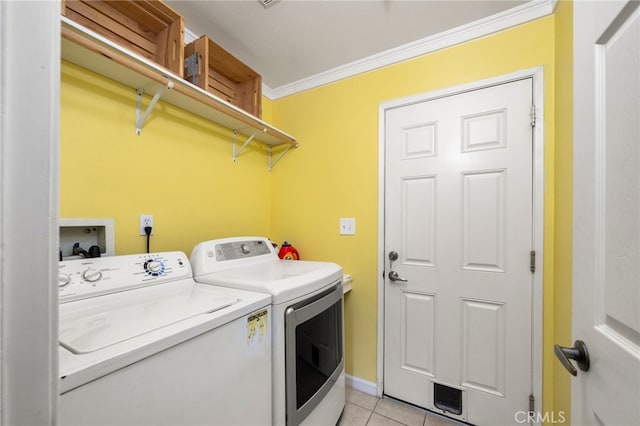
189 36
510 18
268 92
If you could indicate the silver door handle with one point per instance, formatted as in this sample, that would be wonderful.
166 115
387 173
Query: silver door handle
393 276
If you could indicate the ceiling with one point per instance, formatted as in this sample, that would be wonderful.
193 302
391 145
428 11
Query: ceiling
295 39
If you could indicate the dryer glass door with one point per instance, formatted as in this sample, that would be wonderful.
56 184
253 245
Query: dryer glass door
314 353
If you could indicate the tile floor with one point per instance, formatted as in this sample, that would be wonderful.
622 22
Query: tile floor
362 409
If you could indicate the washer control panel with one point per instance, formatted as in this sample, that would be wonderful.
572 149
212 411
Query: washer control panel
84 278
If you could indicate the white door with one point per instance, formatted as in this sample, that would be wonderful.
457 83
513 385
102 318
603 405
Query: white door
458 213
606 253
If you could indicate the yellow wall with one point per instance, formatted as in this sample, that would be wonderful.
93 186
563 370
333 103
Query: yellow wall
335 174
180 169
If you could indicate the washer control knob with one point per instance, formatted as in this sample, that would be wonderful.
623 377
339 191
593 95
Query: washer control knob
154 266
63 280
245 248
92 275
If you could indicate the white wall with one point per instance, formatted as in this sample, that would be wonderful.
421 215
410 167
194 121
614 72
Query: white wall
29 120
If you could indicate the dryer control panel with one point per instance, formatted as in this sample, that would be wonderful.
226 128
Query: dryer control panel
239 250
227 253
84 278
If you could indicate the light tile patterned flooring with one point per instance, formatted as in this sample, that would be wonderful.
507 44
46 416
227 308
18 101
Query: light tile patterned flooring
362 409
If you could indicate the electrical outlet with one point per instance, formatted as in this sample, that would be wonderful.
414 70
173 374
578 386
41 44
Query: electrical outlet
146 220
347 226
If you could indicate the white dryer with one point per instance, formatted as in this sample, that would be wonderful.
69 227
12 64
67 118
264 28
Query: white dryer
142 343
308 342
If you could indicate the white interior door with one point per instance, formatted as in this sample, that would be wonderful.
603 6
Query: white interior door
606 276
458 213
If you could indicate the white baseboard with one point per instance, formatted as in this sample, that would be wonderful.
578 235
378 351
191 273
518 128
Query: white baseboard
361 385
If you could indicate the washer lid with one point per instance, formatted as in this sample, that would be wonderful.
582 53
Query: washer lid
92 324
285 280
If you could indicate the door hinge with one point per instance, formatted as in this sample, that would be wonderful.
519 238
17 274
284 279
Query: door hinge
532 261
533 115
532 403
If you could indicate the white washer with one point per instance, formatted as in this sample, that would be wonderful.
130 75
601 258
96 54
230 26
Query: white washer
308 330
142 343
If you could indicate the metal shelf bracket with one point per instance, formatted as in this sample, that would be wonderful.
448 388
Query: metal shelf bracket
236 151
142 118
273 163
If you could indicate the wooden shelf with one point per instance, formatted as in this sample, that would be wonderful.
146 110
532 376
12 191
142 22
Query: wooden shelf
98 54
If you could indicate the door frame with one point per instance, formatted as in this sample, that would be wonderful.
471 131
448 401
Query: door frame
537 74
29 142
